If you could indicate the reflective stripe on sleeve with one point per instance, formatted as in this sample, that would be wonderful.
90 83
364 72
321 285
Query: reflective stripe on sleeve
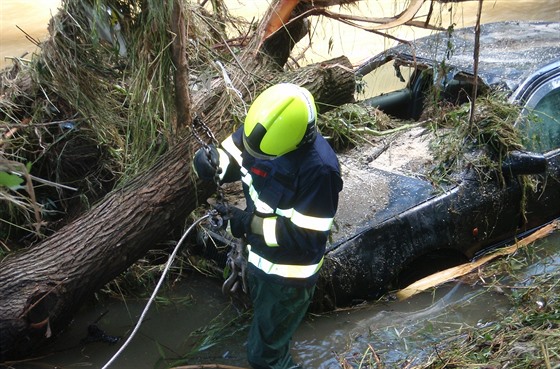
306 221
269 231
233 150
248 180
283 270
261 206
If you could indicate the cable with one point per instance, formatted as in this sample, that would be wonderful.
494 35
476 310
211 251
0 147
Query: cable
160 282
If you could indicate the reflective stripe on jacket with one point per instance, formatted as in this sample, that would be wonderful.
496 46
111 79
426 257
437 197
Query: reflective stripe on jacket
297 197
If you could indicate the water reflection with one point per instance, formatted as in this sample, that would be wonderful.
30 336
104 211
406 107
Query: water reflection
397 331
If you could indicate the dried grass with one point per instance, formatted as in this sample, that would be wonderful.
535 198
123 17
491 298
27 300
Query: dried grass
480 146
86 115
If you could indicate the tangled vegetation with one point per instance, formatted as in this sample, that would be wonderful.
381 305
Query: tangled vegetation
482 144
94 109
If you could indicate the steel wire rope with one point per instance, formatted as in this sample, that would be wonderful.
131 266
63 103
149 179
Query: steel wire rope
153 296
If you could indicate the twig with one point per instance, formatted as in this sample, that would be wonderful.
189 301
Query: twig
44 181
475 62
375 356
546 356
29 37
386 132
460 270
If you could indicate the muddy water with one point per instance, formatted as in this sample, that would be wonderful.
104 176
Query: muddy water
18 18
195 307
395 329
329 39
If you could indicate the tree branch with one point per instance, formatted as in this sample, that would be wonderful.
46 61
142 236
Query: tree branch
181 75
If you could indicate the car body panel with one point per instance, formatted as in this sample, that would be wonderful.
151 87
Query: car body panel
472 215
509 53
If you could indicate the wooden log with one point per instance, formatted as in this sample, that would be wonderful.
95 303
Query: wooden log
449 274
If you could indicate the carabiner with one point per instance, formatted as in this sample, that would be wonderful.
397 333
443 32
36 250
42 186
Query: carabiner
216 219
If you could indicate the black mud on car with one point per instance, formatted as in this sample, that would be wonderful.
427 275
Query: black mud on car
417 229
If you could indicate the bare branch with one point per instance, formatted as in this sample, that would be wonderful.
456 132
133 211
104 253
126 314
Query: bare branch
279 17
178 46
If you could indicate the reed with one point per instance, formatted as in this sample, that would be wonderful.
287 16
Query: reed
95 107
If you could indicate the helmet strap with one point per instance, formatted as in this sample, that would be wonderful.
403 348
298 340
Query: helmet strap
309 135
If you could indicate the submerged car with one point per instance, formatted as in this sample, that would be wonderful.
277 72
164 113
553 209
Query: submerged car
413 228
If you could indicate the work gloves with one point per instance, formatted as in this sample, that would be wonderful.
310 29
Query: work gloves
205 162
239 220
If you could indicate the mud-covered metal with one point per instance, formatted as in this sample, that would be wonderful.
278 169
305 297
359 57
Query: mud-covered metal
417 229
509 52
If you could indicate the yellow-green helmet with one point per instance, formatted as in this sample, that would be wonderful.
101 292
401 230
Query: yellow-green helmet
281 119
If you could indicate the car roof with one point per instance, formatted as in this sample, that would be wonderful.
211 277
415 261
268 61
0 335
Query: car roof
509 51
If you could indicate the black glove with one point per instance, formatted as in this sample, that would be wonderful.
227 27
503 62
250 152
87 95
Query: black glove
239 220
205 162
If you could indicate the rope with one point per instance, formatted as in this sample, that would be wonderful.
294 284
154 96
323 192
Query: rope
152 298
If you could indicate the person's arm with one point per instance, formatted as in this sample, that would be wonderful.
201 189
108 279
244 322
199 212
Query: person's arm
226 159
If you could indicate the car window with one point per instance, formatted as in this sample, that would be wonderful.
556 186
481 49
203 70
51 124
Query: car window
542 134
383 80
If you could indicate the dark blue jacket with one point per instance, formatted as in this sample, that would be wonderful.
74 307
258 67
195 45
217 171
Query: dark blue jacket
297 195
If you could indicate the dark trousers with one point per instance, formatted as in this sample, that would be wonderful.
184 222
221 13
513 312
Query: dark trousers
278 311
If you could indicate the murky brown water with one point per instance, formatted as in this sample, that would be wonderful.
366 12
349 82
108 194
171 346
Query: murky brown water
329 39
31 16
396 329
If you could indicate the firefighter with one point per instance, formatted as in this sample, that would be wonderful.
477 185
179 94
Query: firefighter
291 181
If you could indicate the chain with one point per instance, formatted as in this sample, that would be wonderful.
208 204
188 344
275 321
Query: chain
235 258
197 122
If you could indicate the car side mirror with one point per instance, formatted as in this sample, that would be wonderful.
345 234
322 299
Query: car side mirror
523 162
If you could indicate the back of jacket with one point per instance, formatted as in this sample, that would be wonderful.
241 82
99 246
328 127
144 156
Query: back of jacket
297 195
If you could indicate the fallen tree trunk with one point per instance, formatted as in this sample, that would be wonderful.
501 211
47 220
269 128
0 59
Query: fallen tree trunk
42 287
